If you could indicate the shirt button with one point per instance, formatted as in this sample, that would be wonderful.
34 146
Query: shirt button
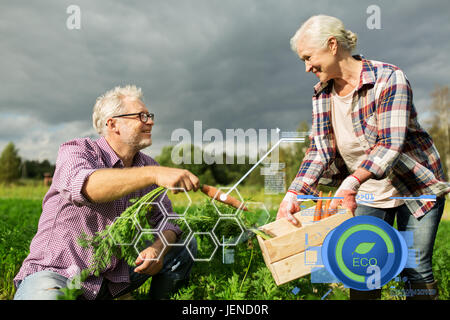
95 292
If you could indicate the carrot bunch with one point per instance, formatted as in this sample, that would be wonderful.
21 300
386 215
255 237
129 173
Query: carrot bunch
320 214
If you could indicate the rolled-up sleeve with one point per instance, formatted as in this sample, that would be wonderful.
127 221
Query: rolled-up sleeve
393 115
309 172
74 165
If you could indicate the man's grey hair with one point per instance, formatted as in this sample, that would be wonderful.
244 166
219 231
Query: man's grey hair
318 29
111 104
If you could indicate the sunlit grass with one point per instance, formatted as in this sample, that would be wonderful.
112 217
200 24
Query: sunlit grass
24 189
18 224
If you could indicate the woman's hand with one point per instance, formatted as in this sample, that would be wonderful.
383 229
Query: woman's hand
288 207
347 190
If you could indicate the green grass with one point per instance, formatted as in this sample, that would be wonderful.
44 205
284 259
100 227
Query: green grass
246 278
18 224
441 259
24 189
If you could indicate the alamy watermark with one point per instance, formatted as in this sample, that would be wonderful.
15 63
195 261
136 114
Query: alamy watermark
374 19
73 21
212 146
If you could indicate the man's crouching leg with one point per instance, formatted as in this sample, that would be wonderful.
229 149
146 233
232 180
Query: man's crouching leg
42 285
175 273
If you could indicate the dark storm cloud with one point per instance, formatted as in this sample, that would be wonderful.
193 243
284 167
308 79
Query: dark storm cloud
227 63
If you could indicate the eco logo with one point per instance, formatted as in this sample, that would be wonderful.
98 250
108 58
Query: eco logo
364 253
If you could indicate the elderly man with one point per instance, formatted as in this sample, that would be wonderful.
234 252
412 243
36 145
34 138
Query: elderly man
93 183
366 138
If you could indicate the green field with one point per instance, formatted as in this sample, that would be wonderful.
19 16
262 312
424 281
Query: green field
246 278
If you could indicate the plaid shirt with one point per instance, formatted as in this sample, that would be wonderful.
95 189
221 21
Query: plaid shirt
385 123
66 213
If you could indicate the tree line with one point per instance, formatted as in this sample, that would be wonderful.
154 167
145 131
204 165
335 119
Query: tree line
13 168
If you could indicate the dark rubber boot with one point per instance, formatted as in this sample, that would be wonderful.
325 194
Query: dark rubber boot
365 295
422 291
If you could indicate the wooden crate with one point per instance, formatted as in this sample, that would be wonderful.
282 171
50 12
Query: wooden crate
285 253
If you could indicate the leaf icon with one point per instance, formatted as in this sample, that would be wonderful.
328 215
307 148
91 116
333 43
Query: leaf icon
364 247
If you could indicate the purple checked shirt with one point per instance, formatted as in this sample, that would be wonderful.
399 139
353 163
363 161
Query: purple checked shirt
66 213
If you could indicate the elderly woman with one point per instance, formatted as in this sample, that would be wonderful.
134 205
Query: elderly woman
365 138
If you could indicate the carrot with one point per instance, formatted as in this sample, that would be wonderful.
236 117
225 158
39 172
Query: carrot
326 213
215 194
318 209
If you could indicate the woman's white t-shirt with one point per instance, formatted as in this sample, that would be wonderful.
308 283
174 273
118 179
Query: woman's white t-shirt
373 193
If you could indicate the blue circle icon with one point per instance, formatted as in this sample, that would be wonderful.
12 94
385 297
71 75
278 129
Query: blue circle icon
364 253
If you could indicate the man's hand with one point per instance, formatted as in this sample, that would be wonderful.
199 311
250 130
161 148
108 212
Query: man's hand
175 178
288 206
148 263
347 190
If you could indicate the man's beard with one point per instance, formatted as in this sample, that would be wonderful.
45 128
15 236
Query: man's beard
136 142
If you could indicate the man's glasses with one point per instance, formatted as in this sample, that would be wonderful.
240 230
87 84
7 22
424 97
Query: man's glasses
142 116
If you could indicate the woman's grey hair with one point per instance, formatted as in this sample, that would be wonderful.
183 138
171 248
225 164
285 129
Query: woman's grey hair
318 29
111 103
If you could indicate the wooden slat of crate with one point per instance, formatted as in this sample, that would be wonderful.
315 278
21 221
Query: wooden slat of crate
266 258
288 269
297 240
283 226
291 268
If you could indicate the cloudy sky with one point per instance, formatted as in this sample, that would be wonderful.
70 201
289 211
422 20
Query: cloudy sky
227 63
